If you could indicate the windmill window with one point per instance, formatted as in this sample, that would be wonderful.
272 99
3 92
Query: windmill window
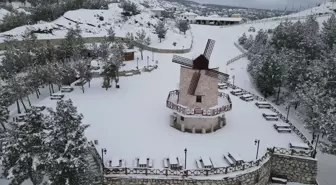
199 99
182 118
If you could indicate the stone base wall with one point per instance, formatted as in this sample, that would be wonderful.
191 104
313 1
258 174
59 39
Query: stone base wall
292 168
295 169
198 125
259 176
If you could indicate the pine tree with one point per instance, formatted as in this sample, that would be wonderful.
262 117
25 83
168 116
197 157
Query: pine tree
25 151
142 39
328 34
110 35
68 145
242 40
129 40
183 26
82 68
4 115
249 42
104 50
161 30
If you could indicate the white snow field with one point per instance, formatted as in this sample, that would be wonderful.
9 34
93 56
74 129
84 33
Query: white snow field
133 121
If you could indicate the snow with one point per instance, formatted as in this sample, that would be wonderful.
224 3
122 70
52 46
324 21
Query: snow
290 183
3 13
112 17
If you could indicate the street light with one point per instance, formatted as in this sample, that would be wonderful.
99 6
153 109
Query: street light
288 108
103 151
185 158
317 140
257 142
147 60
138 63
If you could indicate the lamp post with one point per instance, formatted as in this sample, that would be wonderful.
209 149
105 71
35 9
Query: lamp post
103 151
317 136
147 60
152 56
257 142
288 108
185 158
233 79
138 63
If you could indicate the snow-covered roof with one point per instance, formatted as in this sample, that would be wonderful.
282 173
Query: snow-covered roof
188 13
231 19
129 50
158 9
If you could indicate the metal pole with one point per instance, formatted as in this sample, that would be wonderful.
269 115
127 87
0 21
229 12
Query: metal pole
289 106
317 140
138 63
185 158
152 56
102 154
257 141
147 60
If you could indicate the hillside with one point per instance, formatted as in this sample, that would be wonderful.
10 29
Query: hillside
94 23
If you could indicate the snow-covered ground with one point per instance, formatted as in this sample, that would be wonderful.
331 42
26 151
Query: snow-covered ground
133 121
94 26
3 13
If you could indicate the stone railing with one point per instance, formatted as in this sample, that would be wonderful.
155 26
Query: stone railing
309 152
190 172
194 111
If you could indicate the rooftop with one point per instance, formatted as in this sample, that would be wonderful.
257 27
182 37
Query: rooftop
188 13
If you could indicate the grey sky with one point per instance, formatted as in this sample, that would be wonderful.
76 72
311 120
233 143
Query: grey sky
266 4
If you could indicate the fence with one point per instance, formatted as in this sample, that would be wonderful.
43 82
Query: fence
236 58
191 172
241 49
192 111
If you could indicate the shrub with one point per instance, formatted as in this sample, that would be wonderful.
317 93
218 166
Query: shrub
130 7
101 18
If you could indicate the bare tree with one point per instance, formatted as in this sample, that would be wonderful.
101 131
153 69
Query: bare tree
142 40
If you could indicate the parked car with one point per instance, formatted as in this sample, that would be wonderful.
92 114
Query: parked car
222 86
66 89
263 105
247 97
252 29
237 92
41 108
271 116
57 96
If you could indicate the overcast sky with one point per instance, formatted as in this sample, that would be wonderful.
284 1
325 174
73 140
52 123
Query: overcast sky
265 4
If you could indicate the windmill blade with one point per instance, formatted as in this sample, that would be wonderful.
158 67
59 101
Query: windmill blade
222 77
182 60
193 83
208 49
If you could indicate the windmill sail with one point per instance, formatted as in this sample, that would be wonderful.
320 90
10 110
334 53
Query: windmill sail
193 83
208 49
182 60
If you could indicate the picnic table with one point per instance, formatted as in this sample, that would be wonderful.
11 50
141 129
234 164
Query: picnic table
235 157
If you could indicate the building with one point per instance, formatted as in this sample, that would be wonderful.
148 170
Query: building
217 20
198 106
189 16
158 11
129 54
237 15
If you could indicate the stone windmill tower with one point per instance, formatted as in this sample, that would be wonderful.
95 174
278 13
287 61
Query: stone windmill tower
197 105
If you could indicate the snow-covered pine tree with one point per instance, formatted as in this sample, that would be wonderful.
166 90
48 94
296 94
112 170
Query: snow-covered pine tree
73 42
82 69
104 50
183 26
110 35
141 38
68 145
4 115
129 40
259 41
25 152
248 43
328 33
161 30
242 39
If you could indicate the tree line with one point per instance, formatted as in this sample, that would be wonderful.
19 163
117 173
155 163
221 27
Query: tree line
299 57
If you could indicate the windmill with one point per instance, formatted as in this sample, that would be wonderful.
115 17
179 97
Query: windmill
201 63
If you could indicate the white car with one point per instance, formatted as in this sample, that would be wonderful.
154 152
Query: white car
263 105
237 92
57 96
247 97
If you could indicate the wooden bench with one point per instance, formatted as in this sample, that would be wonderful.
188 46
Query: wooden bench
279 180
283 130
129 74
302 146
228 159
235 158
